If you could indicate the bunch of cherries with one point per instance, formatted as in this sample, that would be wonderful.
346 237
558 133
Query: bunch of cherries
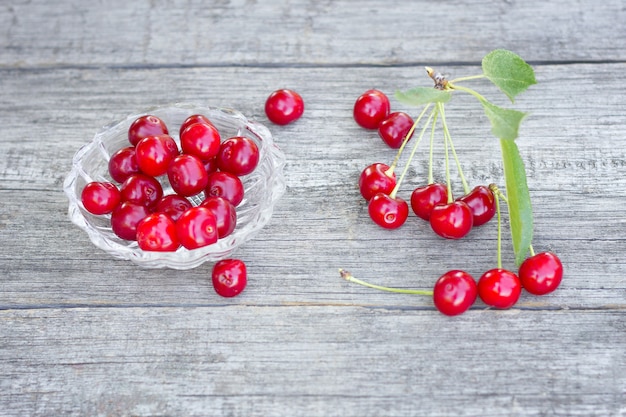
455 291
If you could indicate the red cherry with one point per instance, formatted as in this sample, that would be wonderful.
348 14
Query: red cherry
541 274
227 185
225 214
141 189
126 217
187 175
123 164
229 277
145 126
394 129
202 140
454 292
157 232
211 165
388 212
374 179
451 221
424 199
499 288
196 228
100 197
284 106
154 154
194 118
173 205
482 202
371 108
238 155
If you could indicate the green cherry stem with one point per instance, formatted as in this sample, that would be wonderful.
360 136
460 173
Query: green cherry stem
394 164
446 132
498 194
471 77
431 177
348 277
453 86
447 157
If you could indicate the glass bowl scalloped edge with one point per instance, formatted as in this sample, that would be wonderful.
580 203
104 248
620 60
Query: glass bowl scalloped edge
263 187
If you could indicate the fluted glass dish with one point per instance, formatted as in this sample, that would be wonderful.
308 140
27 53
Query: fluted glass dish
262 188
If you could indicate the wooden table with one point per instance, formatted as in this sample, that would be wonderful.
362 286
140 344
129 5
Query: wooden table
83 334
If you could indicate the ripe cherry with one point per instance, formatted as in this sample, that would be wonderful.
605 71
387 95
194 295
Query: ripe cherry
187 175
225 214
145 126
194 118
499 288
388 212
482 202
157 232
196 228
393 129
541 274
126 217
173 205
141 189
154 154
238 155
424 199
371 108
229 277
451 221
454 292
202 140
100 197
227 185
123 164
284 106
376 179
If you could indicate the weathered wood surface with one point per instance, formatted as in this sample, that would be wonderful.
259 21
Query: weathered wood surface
83 334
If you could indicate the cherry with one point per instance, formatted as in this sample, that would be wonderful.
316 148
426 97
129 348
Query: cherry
196 228
388 212
541 273
482 202
499 288
154 154
454 292
126 217
424 199
157 232
202 140
376 179
227 185
100 197
187 175
225 214
451 221
141 189
210 165
371 108
229 277
394 129
238 155
145 126
123 164
194 118
284 106
173 205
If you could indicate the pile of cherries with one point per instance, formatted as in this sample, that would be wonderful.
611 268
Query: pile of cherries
455 291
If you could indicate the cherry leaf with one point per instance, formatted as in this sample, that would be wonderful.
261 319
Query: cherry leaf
508 72
518 196
504 122
419 96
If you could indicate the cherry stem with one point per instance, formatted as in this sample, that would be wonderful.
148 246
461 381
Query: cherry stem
471 77
447 156
431 178
532 250
408 163
393 165
446 132
498 195
467 90
348 277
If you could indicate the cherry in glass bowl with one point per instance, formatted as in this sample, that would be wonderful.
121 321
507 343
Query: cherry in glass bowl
262 187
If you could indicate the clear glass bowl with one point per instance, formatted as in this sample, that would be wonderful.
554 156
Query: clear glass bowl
263 187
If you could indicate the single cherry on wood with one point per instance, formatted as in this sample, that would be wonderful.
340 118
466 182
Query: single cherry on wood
229 277
394 129
387 211
371 108
541 273
375 179
284 106
499 288
454 292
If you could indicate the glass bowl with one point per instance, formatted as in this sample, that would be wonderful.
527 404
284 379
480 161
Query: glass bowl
262 188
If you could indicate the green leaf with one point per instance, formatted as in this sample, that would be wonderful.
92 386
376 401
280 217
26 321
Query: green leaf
520 210
419 96
504 122
508 72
